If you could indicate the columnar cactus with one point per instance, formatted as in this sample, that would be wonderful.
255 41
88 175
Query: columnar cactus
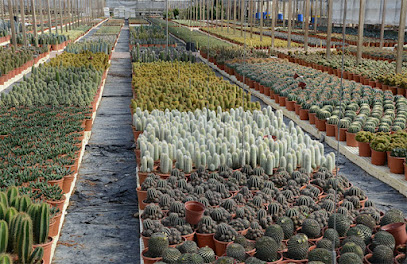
40 217
4 236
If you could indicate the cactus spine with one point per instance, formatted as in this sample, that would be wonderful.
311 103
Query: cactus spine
40 216
3 236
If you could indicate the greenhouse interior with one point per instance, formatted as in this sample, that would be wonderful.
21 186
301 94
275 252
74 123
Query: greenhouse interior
203 131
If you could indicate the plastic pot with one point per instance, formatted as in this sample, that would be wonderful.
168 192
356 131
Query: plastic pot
304 114
193 212
396 164
312 117
364 149
141 195
189 237
378 157
398 230
47 250
351 139
290 105
205 240
220 247
281 100
330 130
148 260
297 108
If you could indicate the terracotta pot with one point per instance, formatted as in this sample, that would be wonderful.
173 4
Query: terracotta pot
189 237
304 114
350 76
342 134
321 124
194 211
364 149
53 230
141 195
351 139
396 164
220 247
378 158
205 240
58 204
142 177
67 183
267 91
148 260
261 88
88 125
47 250
312 117
276 98
330 130
356 78
378 85
385 87
297 108
281 100
398 230
290 105
393 89
59 182
401 91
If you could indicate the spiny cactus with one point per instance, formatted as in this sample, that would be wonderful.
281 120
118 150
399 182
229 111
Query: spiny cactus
225 233
276 232
236 251
157 243
4 236
22 236
298 247
40 216
5 259
382 254
287 225
324 243
207 254
350 258
266 249
171 255
311 228
353 248
188 247
320 254
340 222
383 238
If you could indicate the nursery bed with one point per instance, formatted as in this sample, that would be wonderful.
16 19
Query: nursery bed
380 172
9 84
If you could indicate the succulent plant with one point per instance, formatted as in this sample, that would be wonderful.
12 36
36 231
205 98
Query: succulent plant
266 249
157 244
207 254
320 254
225 233
298 247
236 251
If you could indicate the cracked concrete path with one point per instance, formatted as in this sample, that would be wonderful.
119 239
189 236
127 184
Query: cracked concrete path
99 226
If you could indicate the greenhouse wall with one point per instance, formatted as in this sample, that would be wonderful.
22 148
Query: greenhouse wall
373 11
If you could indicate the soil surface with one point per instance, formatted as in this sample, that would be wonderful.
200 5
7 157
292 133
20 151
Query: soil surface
99 226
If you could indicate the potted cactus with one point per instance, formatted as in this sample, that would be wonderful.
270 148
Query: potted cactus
331 125
363 138
396 160
351 135
379 146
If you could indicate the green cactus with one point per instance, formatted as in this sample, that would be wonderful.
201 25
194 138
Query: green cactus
3 199
36 256
22 236
12 193
40 216
188 247
11 212
383 238
341 222
5 259
320 254
324 243
4 236
351 247
171 255
287 225
311 228
21 203
298 247
266 249
207 254
236 251
3 211
276 232
350 258
382 254
157 243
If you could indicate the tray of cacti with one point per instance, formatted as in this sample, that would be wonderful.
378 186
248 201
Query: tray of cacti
278 206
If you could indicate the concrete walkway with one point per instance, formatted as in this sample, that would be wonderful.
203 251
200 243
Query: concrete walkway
99 226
